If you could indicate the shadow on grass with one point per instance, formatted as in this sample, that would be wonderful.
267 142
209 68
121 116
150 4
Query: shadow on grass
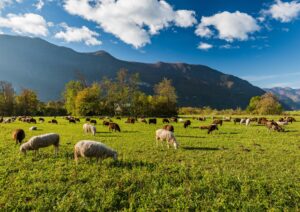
228 133
126 131
189 136
132 164
204 148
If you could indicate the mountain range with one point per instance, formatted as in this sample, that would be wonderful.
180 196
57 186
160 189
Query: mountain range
288 96
44 67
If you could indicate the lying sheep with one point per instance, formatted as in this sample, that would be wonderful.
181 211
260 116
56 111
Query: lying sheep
41 141
90 149
168 136
88 128
33 128
18 135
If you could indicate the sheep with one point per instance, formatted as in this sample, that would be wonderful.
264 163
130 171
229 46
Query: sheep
88 128
93 121
169 127
218 122
114 127
18 135
168 136
165 120
152 121
42 120
212 128
187 123
90 149
33 128
236 120
72 121
248 121
41 141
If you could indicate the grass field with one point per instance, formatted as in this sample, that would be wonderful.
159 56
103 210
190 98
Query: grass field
235 168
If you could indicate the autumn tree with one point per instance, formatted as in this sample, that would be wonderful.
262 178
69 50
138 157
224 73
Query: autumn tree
266 104
7 95
27 102
70 93
87 101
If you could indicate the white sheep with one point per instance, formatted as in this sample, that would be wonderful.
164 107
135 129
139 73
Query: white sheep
88 128
166 135
248 121
90 149
41 141
281 123
33 128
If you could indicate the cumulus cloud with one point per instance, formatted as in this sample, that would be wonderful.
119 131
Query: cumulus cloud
132 21
205 46
4 3
83 34
25 24
283 11
229 26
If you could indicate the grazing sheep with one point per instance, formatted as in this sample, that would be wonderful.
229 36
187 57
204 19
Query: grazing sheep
87 119
169 128
152 121
243 121
181 120
114 127
143 120
33 128
212 128
53 121
90 149
272 125
88 128
218 122
18 135
42 120
202 119
168 136
105 123
130 121
174 119
248 121
41 141
165 120
93 121
236 120
72 121
187 123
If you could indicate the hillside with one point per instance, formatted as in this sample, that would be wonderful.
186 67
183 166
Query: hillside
39 65
288 96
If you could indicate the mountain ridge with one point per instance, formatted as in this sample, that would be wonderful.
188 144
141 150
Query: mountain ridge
37 64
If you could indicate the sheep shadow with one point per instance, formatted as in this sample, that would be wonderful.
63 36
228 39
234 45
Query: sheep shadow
126 131
132 164
228 133
204 148
189 136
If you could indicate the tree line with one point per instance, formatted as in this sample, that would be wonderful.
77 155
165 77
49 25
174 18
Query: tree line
120 96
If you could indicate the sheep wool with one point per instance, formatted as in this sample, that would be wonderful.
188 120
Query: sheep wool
168 136
89 149
41 141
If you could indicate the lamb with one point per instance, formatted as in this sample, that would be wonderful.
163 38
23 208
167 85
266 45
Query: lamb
33 128
168 136
90 149
18 135
41 141
88 128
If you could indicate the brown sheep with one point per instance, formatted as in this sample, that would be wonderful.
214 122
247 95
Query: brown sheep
18 135
105 123
174 119
218 122
93 121
187 123
152 121
114 127
212 128
272 125
165 120
236 120
169 128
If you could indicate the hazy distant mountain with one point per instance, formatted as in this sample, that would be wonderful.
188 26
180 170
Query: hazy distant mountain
288 96
39 65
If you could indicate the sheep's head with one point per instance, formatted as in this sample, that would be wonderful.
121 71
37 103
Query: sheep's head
23 149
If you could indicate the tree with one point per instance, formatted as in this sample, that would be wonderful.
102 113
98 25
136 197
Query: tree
88 101
165 99
253 104
266 104
7 95
27 102
71 90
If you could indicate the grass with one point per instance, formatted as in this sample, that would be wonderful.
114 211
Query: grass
235 168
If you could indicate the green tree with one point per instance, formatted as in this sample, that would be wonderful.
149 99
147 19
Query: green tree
87 101
27 102
253 104
70 93
7 95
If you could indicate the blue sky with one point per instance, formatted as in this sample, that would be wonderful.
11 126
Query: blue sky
252 39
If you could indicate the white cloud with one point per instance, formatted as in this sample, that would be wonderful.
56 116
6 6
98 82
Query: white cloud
229 46
39 4
25 24
230 26
83 34
205 46
4 3
283 11
132 21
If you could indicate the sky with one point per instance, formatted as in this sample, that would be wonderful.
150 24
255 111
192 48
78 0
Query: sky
256 40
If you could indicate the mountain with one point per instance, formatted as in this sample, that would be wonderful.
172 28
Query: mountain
44 67
288 96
